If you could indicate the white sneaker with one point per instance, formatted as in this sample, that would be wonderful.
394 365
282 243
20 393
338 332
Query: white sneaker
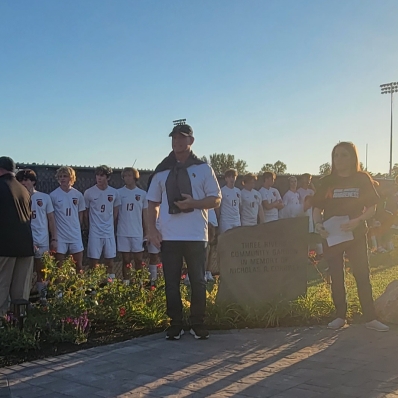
337 323
378 326
381 250
209 277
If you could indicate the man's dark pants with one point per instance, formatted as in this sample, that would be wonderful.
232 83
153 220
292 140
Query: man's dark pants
173 253
357 252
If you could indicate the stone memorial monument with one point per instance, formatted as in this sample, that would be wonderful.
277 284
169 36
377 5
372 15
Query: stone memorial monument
387 304
263 263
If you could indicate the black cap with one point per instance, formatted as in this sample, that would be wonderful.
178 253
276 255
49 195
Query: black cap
184 129
7 163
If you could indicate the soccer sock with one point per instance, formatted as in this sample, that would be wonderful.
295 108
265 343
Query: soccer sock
153 270
319 248
374 241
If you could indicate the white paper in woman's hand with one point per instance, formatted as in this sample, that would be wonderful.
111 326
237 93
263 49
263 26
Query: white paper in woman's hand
336 235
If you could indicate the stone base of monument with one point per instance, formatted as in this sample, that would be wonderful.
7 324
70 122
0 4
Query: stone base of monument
263 263
387 304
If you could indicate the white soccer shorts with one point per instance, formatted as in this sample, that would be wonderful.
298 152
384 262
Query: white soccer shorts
40 250
72 248
130 245
225 226
152 249
97 246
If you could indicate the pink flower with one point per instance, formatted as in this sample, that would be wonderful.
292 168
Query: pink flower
122 311
129 265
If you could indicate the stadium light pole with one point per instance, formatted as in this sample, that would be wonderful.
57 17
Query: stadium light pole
390 88
179 122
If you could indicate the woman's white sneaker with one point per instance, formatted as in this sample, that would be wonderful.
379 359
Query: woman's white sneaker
337 323
378 326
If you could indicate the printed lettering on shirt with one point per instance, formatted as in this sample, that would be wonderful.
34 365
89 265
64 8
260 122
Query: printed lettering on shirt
346 193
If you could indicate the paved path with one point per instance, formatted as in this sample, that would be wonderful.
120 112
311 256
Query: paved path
302 362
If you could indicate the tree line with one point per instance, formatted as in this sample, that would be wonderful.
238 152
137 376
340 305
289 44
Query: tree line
221 162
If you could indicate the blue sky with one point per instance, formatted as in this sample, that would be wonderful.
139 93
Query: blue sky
91 82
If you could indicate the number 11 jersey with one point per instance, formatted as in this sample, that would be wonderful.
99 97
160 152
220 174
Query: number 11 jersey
67 206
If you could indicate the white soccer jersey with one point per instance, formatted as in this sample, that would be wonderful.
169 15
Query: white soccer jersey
41 206
185 226
271 195
303 193
67 206
100 204
230 204
129 222
250 201
293 207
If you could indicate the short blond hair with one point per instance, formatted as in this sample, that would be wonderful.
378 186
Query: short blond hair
131 170
66 170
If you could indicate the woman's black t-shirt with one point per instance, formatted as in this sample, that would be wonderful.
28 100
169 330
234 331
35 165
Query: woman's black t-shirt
342 196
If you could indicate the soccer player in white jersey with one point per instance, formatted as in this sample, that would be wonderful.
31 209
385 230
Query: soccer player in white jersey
306 192
251 208
42 223
291 201
102 204
271 198
228 213
154 258
131 221
69 207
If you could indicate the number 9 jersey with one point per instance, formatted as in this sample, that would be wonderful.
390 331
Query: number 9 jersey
100 204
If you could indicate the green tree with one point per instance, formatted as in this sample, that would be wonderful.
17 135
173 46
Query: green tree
221 162
325 168
278 167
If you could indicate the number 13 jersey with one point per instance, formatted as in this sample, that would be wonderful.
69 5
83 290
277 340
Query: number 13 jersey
67 206
129 222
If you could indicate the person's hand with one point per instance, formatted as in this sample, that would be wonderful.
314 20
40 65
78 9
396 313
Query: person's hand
279 205
185 204
350 225
53 245
320 229
155 238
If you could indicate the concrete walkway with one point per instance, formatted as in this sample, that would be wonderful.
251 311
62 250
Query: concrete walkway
301 362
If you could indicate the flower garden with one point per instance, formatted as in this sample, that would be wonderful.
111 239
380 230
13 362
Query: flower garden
85 310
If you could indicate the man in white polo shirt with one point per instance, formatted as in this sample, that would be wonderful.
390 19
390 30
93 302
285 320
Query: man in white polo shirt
181 191
271 198
102 204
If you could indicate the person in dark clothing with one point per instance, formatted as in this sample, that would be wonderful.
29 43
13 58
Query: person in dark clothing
16 242
350 193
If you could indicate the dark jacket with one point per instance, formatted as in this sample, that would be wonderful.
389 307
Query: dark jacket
15 232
